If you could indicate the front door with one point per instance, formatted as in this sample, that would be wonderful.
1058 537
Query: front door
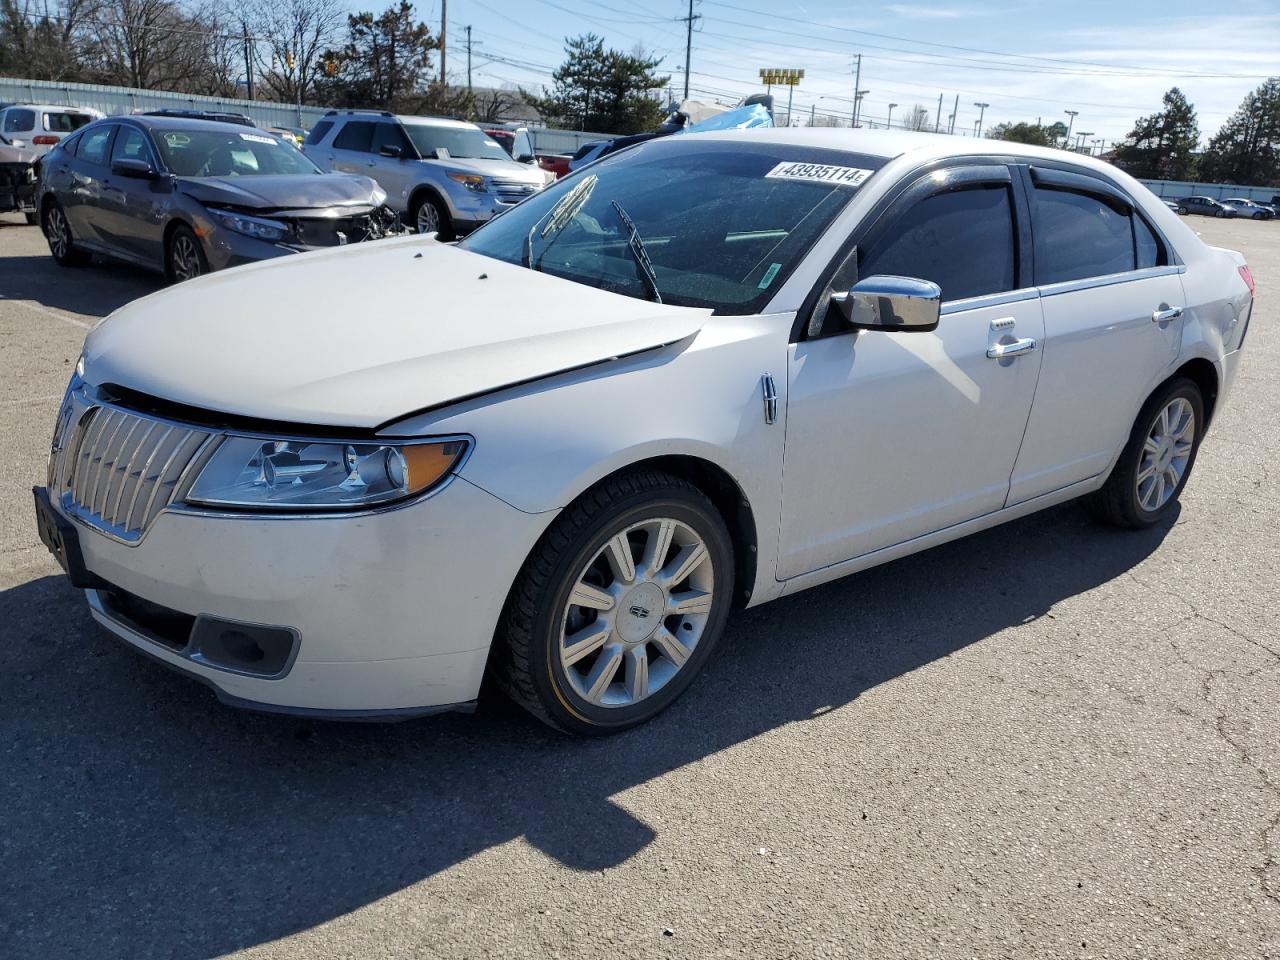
893 435
132 209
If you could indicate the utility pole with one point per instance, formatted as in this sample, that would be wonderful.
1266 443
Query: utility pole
857 106
857 84
937 119
813 108
982 112
470 44
688 52
248 59
889 122
444 36
951 122
1072 114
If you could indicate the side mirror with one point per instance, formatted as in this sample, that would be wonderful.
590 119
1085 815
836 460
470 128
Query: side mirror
891 303
525 158
390 150
137 169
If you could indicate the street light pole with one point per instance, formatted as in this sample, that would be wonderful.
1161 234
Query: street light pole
1080 136
889 122
982 112
1072 114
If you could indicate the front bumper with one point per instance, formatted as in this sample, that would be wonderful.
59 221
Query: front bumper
394 611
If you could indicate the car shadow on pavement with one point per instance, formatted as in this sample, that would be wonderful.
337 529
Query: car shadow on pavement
144 819
41 280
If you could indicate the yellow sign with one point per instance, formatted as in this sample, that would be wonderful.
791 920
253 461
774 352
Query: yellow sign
789 76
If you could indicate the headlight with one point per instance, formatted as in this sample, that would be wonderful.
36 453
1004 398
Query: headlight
469 180
250 472
250 226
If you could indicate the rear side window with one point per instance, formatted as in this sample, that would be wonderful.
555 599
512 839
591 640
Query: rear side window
19 121
584 150
1079 235
318 132
962 240
93 145
354 136
1149 249
65 122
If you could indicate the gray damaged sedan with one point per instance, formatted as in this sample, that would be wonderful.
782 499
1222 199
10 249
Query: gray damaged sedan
188 196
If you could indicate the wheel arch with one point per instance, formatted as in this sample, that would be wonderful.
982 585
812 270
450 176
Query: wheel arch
1204 375
427 189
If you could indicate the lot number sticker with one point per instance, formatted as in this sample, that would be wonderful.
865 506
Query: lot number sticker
256 138
819 173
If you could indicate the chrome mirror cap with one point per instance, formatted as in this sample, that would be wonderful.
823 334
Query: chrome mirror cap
892 303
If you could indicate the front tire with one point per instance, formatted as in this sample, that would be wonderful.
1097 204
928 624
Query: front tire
619 607
1154 466
428 215
57 231
184 259
32 217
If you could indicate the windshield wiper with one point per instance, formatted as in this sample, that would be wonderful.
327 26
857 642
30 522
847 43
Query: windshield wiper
556 219
636 246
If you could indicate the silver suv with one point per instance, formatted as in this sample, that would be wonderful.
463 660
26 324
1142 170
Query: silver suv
441 176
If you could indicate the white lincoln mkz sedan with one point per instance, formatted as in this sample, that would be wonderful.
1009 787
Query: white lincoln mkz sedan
705 372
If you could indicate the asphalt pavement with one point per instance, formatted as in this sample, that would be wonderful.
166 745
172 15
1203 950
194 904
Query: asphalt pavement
1049 740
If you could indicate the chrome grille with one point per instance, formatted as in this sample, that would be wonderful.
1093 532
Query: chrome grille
512 191
121 468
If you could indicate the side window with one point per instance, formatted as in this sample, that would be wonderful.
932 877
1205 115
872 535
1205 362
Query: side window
19 121
962 240
94 143
318 132
356 135
390 135
1079 235
1149 249
130 144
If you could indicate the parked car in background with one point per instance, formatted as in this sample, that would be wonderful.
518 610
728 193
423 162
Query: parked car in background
18 177
37 127
189 196
293 135
1173 205
1205 207
588 152
556 164
219 116
518 143
708 372
1251 209
443 176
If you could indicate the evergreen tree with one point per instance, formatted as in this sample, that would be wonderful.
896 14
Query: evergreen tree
1162 146
602 90
1032 133
1247 148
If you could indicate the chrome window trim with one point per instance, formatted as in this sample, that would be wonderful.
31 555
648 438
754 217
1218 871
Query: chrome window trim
989 300
1088 283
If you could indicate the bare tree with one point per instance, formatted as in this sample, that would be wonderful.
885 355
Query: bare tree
294 32
917 119
39 39
152 44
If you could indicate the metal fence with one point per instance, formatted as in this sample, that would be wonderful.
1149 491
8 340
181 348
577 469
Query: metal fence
1176 189
118 101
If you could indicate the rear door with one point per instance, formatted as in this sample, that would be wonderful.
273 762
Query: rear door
893 435
1113 304
352 147
89 169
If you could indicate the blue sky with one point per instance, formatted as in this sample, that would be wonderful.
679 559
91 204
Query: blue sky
1111 61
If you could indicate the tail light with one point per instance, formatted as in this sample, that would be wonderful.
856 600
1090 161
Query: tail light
1247 276
44 140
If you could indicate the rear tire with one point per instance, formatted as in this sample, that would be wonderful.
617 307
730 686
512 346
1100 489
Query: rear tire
1156 461
57 231
619 607
32 217
428 215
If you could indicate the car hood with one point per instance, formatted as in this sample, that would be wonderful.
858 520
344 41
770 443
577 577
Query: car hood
507 169
363 335
284 192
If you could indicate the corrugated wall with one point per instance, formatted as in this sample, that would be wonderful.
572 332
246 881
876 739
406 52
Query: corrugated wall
1174 189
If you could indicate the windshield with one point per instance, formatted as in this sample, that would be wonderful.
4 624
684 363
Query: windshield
215 153
722 223
469 142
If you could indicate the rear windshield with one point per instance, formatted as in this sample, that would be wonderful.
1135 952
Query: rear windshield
468 142
722 224
213 153
66 122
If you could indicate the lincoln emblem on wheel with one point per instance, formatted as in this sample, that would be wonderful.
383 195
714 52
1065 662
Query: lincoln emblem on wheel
535 461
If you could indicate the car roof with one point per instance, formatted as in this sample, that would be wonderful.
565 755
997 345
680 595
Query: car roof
57 107
186 123
436 122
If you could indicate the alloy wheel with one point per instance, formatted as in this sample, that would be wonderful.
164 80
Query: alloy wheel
1165 454
185 258
636 612
428 220
58 235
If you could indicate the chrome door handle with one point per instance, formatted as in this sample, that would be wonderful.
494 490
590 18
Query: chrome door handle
1002 351
1160 316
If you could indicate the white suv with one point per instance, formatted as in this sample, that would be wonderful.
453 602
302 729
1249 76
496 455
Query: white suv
37 127
442 176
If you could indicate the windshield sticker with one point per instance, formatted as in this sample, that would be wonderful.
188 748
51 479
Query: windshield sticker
819 173
256 138
768 276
